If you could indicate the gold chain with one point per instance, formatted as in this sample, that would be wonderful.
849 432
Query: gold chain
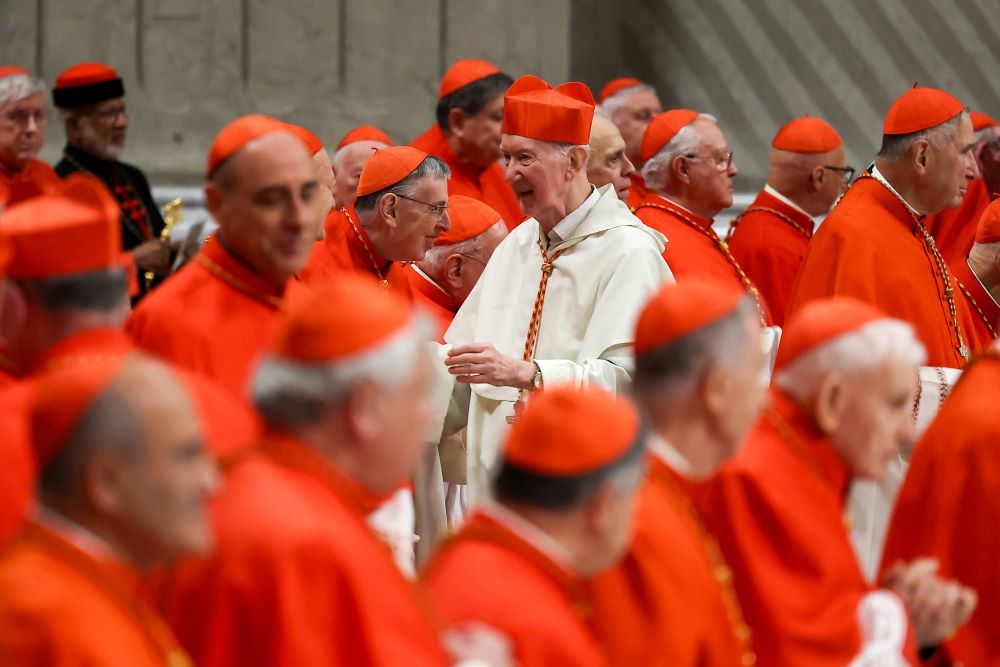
531 340
721 572
949 291
979 311
236 283
383 281
774 212
723 247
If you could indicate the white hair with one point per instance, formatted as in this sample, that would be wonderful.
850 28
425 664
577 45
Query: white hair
858 351
610 106
473 246
565 148
686 142
16 87
292 393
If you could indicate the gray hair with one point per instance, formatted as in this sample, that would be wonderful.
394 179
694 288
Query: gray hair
431 167
473 247
677 367
855 352
610 106
103 290
895 146
18 86
685 142
290 393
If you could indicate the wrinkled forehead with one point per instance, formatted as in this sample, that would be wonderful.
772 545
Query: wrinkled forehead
512 143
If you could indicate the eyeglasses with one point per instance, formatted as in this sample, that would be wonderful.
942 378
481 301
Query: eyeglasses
847 172
477 259
24 118
436 209
721 162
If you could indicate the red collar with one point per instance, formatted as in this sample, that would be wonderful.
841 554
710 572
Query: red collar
291 452
362 248
767 200
423 284
227 267
482 528
654 200
84 347
870 186
809 443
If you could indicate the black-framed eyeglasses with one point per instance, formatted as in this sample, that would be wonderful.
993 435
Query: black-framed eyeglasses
436 209
721 162
847 172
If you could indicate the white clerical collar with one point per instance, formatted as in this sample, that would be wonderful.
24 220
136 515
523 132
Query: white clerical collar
877 175
786 201
428 278
664 451
530 533
564 228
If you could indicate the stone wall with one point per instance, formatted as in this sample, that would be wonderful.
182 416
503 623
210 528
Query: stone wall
191 65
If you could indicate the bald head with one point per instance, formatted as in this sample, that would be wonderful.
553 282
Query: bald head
608 162
134 469
813 181
347 165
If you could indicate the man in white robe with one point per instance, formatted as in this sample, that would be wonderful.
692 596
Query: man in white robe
602 263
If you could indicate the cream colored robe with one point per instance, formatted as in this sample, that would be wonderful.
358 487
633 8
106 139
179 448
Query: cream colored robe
611 265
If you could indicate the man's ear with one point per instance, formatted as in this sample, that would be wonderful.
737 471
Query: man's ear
453 270
921 156
577 160
714 388
213 198
680 167
456 121
387 207
816 177
830 402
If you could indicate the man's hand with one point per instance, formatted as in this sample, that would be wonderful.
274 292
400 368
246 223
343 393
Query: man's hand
481 363
937 607
152 256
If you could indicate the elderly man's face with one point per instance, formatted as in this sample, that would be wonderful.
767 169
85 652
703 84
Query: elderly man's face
479 135
347 165
712 170
265 204
632 118
834 182
464 273
538 172
745 395
415 220
608 162
22 130
949 170
876 422
403 415
327 186
102 129
164 489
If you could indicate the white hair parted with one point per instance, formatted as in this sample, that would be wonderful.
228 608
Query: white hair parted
469 247
293 393
687 141
610 106
855 352
14 87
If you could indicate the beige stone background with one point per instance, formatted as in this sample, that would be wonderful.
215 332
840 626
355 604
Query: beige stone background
191 65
